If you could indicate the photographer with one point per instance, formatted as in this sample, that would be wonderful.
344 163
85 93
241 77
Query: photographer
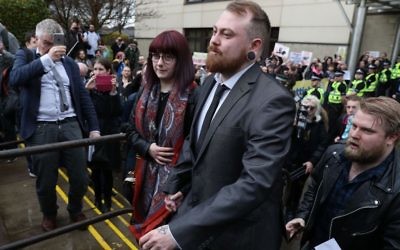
106 157
309 141
74 39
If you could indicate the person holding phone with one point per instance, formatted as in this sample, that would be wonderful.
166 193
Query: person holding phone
159 124
55 107
103 91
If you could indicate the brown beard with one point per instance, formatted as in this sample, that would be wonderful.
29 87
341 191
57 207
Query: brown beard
220 63
360 155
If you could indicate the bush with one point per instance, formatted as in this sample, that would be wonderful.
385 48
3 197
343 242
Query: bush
22 15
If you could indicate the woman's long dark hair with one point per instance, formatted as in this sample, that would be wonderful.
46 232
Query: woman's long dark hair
174 43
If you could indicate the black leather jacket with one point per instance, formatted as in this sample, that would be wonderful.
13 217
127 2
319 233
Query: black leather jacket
371 220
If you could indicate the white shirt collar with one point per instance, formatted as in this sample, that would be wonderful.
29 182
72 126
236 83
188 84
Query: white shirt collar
230 83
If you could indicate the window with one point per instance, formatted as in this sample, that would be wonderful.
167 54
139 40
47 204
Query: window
198 38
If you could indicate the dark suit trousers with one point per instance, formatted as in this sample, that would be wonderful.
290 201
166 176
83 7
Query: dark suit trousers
46 166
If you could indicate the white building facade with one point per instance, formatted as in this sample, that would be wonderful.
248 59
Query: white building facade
323 27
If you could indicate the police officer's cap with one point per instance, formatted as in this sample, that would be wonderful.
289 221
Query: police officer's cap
315 78
339 73
360 71
372 66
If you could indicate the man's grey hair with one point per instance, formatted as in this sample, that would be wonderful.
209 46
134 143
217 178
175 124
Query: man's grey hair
48 26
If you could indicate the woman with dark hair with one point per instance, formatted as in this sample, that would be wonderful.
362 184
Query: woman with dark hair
159 124
106 156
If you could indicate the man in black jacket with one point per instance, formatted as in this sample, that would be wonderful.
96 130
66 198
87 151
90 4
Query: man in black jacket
354 192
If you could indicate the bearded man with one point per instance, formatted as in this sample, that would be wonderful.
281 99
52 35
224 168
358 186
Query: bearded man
229 177
354 193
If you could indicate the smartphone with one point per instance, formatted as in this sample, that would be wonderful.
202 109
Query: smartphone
58 39
103 83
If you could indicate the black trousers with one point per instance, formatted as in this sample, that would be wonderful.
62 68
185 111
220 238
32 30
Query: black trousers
46 166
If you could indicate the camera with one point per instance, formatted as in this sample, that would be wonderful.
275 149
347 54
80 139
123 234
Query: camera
301 113
58 39
301 120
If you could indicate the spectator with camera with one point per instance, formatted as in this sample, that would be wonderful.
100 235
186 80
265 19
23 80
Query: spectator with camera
55 107
309 141
106 157
74 39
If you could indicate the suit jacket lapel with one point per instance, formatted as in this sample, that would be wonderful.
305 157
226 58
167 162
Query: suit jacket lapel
205 91
239 90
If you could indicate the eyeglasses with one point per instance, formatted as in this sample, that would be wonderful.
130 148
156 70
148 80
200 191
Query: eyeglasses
167 58
311 108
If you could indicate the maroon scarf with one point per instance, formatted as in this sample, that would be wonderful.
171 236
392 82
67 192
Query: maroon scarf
148 201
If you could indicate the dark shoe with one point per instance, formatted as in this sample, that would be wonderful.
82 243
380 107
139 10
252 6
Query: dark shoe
49 223
107 205
78 218
98 204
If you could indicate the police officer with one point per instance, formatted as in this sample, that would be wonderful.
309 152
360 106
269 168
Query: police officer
358 85
395 81
384 79
371 81
334 105
316 89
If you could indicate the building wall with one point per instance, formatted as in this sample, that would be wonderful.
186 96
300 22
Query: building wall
379 33
312 25
299 20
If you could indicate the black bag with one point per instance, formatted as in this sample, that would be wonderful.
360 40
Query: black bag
100 154
11 103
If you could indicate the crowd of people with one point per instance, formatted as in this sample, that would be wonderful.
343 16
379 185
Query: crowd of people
213 151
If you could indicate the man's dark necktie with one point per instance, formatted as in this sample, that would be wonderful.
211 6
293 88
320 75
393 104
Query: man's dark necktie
63 96
210 113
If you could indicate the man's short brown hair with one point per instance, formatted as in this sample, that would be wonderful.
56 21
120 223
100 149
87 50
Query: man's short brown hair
386 110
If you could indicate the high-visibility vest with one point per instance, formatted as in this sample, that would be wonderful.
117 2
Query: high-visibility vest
384 76
335 97
372 82
319 90
353 87
396 71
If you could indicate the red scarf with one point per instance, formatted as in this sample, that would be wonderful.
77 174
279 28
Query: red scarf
148 201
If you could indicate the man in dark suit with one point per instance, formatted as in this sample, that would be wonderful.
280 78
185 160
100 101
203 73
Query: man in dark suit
55 106
229 175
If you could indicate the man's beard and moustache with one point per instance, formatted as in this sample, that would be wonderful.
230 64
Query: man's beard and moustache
360 155
220 63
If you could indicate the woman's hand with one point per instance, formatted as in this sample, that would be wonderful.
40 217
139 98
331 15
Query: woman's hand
91 83
114 85
162 155
173 201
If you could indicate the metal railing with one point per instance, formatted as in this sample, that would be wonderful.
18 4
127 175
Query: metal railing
62 230
10 153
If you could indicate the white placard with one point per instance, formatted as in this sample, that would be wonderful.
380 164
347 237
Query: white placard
199 58
281 50
295 57
306 57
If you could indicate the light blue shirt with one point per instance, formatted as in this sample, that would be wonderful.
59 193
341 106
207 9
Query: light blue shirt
346 131
50 103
